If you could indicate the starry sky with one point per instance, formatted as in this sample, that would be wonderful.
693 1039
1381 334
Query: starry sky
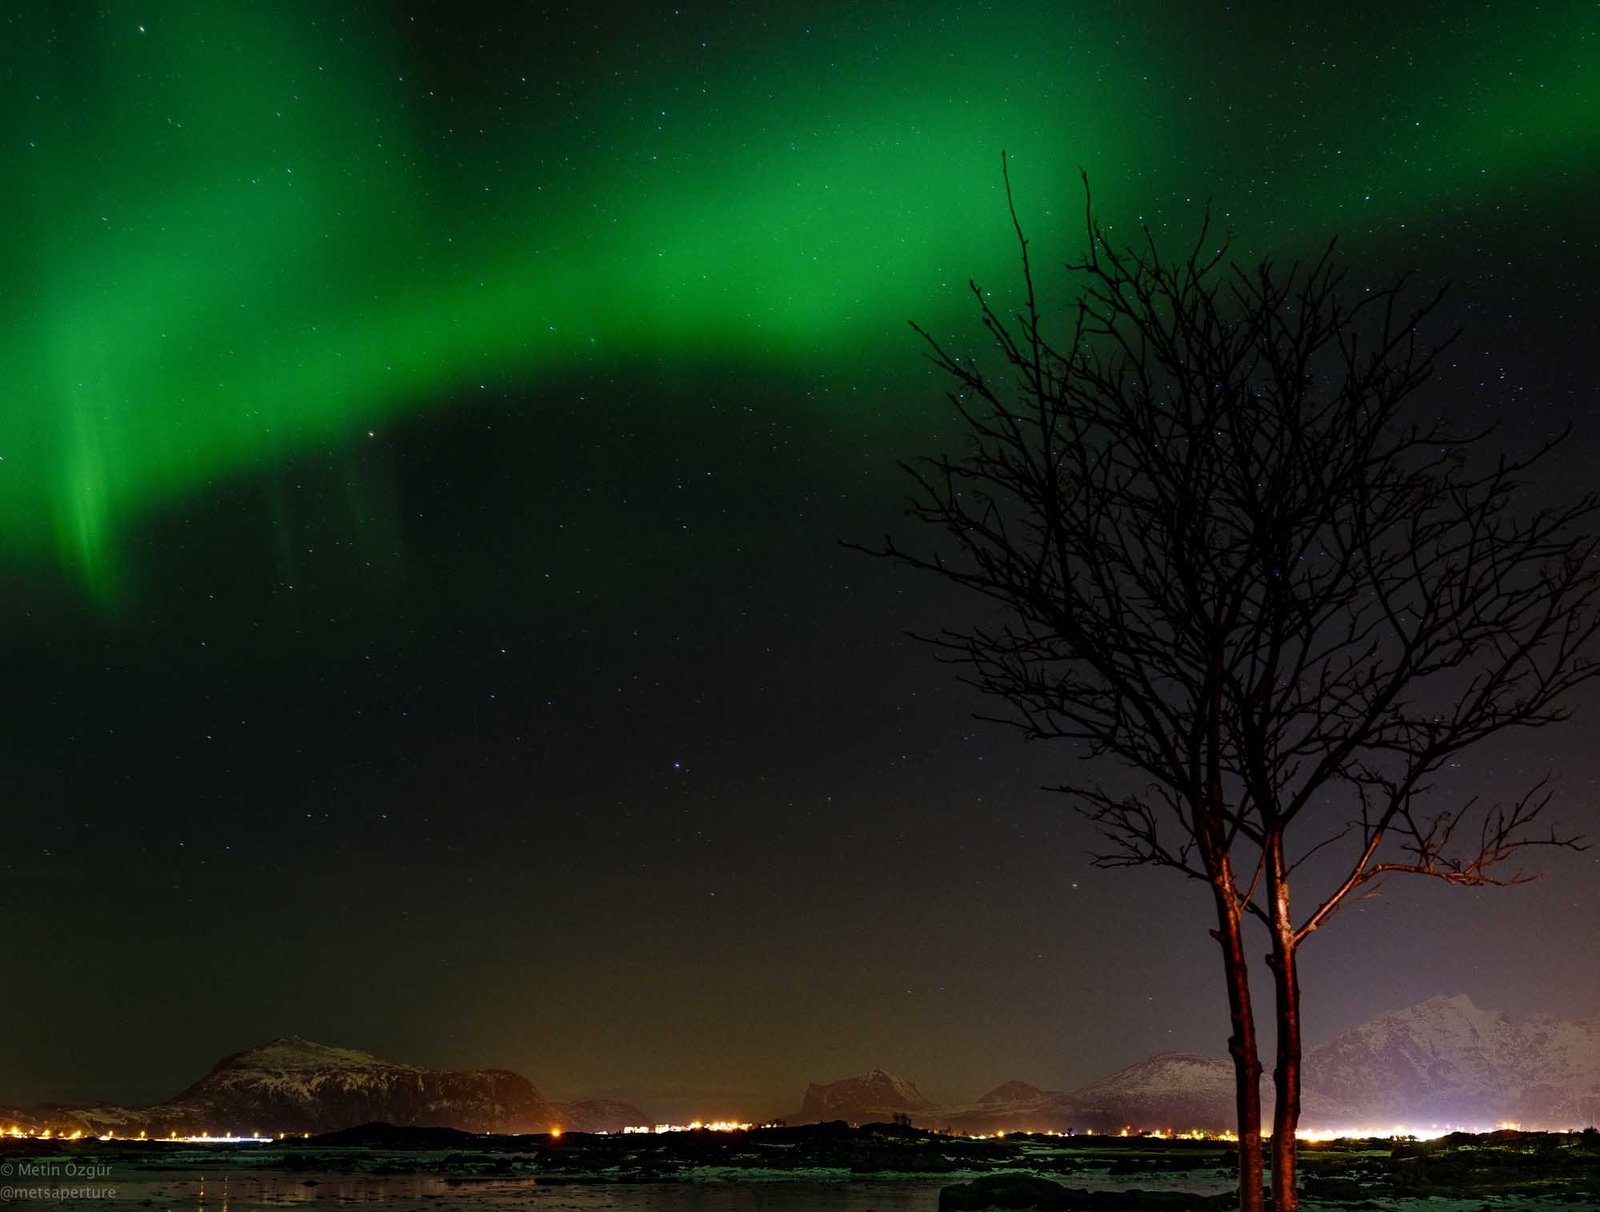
426 433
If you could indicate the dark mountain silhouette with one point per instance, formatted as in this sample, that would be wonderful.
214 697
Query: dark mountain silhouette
297 1085
871 1098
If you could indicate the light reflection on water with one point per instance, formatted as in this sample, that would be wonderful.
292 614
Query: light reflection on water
423 1193
238 1192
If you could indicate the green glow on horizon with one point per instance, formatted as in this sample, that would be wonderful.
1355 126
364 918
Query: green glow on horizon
239 230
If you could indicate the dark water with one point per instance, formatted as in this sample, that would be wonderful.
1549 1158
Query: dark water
188 1192
251 1193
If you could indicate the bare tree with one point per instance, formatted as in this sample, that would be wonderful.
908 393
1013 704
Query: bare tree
1228 555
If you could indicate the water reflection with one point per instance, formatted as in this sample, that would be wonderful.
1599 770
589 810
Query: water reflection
214 1194
422 1193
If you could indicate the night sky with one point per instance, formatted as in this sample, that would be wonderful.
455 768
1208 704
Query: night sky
426 433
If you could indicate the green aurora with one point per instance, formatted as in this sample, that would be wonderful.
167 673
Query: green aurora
239 230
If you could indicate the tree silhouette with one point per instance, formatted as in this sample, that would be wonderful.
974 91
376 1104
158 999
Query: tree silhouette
1230 553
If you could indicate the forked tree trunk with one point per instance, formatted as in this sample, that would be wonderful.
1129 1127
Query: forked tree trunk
1286 1074
1242 1045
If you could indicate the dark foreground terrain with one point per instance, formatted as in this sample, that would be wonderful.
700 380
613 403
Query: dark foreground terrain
1504 1170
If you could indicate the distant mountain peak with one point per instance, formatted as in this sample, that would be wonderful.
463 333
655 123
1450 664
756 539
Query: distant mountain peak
292 1053
299 1043
882 1077
292 1084
875 1095
1448 1060
1453 1003
1164 1063
1012 1092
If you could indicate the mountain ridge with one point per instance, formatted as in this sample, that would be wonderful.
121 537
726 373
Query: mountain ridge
877 1095
1441 1062
1450 1060
293 1085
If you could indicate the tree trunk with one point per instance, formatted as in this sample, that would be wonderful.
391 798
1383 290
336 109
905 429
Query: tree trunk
1286 1074
1242 1045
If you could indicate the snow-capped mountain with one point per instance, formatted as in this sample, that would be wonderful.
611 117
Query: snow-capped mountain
296 1085
872 1097
1177 1090
1444 1061
1180 1090
1447 1060
1170 1089
1013 1106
